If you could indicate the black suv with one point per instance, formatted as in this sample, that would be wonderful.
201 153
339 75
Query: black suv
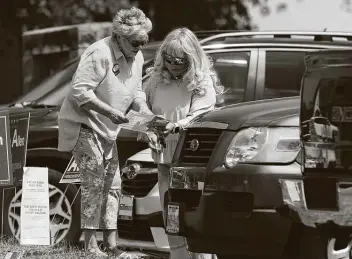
253 66
236 183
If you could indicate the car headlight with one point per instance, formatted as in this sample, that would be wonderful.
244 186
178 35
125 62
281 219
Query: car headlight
263 145
191 178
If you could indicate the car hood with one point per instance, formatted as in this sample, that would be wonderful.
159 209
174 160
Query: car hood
273 112
44 118
142 156
39 117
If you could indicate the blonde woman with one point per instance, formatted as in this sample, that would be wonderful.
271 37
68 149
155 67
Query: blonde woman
106 83
182 85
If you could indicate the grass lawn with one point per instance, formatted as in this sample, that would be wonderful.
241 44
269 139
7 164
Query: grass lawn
41 252
60 252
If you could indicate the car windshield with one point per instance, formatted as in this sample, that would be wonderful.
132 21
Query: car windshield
52 84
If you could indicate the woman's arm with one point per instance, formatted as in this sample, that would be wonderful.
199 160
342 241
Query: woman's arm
200 103
139 102
91 70
102 108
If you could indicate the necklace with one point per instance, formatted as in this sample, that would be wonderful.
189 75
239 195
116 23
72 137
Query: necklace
178 80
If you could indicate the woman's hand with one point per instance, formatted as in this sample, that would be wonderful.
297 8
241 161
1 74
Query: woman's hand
169 128
154 142
147 112
117 117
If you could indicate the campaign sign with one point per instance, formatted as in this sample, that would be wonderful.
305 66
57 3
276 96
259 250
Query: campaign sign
35 207
19 124
71 174
5 151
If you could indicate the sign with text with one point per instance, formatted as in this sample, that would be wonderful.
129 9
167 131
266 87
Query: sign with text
71 174
5 150
19 124
35 213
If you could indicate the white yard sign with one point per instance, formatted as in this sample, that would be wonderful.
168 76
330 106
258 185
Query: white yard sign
35 215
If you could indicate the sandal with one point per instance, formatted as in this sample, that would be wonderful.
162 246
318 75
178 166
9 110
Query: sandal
96 252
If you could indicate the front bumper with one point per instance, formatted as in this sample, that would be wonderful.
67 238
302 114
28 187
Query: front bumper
149 204
146 230
318 201
236 211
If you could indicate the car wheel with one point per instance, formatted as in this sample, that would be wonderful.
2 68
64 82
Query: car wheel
341 251
64 202
308 243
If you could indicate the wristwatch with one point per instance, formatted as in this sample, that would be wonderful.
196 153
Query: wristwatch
176 129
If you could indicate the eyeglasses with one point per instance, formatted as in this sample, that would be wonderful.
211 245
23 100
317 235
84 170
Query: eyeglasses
137 43
174 60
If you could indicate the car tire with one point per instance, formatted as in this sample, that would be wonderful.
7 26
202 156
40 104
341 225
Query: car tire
64 200
309 243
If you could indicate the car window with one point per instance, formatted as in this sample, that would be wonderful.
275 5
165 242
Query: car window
232 69
283 73
322 96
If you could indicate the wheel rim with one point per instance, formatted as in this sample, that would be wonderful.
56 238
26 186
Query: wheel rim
60 215
344 253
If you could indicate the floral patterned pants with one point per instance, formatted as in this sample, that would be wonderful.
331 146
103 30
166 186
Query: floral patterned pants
100 183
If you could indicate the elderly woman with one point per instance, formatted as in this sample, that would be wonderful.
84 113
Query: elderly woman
183 85
107 82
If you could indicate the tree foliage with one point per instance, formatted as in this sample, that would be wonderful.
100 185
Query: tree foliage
36 14
165 14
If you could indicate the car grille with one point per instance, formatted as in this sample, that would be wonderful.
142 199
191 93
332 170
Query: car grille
142 184
207 139
136 229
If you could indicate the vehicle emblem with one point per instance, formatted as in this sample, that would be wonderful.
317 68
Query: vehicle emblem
131 171
131 175
194 145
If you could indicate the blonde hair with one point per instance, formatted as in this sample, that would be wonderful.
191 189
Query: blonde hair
131 21
183 41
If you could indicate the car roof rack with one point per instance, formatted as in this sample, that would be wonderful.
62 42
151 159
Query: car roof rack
207 33
315 35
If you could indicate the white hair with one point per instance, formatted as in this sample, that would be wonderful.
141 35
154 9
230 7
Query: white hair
131 21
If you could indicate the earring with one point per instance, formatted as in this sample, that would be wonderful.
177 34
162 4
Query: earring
116 69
